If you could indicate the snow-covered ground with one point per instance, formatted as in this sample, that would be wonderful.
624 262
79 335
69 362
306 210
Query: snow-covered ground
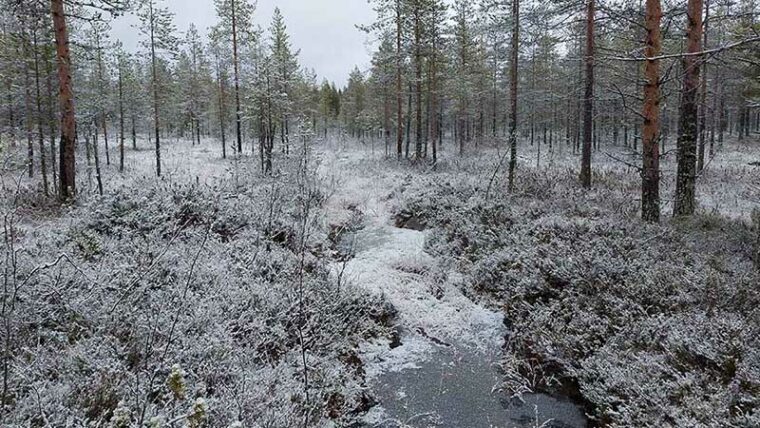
437 324
443 371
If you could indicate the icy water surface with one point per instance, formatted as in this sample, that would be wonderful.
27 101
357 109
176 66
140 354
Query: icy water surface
452 385
453 389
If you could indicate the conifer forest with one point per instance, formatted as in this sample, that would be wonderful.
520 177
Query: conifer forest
380 213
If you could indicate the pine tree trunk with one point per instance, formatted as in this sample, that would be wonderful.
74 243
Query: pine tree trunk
588 101
154 72
418 80
121 119
67 169
434 124
221 110
399 97
51 115
513 93
28 109
650 188
408 122
703 97
236 67
685 200
88 155
98 177
134 132
386 122
11 112
40 131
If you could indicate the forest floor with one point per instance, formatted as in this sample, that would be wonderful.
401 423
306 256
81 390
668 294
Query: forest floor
428 293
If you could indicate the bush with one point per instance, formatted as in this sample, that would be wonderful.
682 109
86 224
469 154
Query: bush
654 325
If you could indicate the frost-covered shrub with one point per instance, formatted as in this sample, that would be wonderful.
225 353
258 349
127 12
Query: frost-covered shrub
138 304
655 325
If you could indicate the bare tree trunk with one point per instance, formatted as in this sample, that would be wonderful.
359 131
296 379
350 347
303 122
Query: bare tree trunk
51 114
650 188
399 99
588 101
703 97
102 114
88 155
134 132
408 121
221 111
28 108
434 97
513 93
154 72
98 176
121 118
418 79
40 131
685 200
11 115
636 130
386 121
236 67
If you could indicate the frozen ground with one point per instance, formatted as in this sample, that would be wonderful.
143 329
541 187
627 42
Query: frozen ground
444 370
439 369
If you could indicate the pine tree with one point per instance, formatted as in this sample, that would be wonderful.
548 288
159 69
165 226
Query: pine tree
235 22
650 199
588 99
513 82
158 28
284 66
67 169
685 199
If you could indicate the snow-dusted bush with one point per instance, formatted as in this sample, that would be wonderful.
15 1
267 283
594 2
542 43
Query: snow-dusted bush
180 303
654 325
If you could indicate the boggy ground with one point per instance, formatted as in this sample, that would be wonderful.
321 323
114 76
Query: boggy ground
647 325
182 296
197 298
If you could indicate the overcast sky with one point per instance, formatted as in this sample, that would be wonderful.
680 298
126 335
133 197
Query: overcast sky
324 30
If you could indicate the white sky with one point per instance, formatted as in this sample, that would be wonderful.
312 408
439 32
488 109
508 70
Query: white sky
324 30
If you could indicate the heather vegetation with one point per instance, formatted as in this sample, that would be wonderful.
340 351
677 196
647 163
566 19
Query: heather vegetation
513 214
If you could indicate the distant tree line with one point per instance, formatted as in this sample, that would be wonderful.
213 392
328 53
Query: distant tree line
650 76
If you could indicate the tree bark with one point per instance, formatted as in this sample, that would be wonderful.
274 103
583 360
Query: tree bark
28 108
513 93
95 154
236 67
650 188
433 97
418 79
154 72
399 98
588 101
103 118
51 114
40 131
221 110
685 200
703 97
121 118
